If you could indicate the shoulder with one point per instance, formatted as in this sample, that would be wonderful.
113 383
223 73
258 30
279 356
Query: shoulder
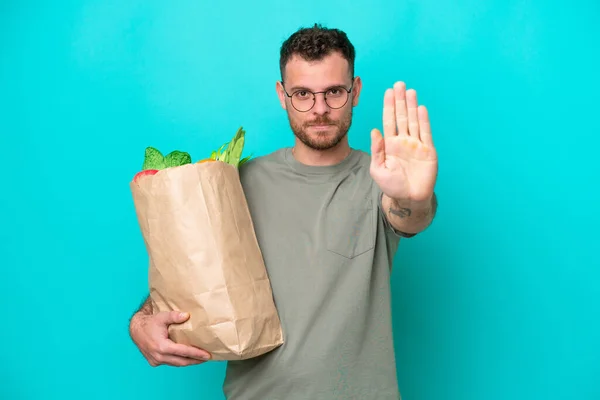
256 166
361 166
262 161
364 158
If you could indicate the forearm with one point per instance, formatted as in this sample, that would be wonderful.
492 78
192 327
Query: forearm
144 310
408 216
146 307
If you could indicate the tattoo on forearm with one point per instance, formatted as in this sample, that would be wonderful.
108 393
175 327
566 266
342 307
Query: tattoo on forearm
402 212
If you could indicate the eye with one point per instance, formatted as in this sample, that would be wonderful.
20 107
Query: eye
302 94
334 92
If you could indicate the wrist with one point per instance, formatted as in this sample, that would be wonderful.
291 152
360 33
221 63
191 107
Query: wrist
408 215
413 205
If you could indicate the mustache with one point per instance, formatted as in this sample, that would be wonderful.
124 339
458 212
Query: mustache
320 121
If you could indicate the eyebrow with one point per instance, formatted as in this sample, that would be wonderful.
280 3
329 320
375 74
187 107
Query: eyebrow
293 89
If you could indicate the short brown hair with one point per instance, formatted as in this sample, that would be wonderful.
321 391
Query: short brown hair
314 44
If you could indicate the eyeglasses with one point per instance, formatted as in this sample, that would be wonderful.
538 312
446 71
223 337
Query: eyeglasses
304 100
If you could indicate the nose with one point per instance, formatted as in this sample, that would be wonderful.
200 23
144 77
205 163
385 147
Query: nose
320 106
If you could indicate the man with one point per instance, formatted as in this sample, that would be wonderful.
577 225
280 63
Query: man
328 219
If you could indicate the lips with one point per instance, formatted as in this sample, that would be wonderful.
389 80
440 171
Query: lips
321 126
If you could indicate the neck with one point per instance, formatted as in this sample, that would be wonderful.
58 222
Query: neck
309 156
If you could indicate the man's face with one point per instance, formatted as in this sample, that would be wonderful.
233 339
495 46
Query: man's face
322 127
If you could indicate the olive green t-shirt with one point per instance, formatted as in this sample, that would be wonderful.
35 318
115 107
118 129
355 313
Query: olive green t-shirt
328 250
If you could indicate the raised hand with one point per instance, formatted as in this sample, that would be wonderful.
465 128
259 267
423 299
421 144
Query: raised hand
404 161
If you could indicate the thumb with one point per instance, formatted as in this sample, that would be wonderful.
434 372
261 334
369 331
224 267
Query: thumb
172 317
377 149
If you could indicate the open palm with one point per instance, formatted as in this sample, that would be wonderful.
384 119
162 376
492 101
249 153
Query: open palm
404 161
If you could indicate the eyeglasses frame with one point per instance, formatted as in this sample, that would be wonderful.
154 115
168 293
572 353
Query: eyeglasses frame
315 96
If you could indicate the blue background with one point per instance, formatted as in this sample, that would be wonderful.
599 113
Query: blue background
498 299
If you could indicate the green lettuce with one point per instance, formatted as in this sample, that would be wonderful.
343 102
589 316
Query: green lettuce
230 152
154 159
177 158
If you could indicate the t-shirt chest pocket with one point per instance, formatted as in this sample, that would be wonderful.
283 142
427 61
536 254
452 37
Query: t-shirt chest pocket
349 228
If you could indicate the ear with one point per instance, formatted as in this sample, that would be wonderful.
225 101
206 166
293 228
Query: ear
281 94
356 90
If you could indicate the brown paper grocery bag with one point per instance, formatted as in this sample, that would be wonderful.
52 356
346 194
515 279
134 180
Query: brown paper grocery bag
205 260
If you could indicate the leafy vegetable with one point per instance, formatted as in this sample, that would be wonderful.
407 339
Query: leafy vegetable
231 151
177 158
153 159
243 160
235 147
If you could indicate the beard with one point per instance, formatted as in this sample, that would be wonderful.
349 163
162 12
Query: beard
322 140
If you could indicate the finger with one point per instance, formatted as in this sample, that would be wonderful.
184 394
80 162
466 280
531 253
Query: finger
401 112
377 149
425 126
389 117
186 351
172 317
177 361
413 119
151 360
